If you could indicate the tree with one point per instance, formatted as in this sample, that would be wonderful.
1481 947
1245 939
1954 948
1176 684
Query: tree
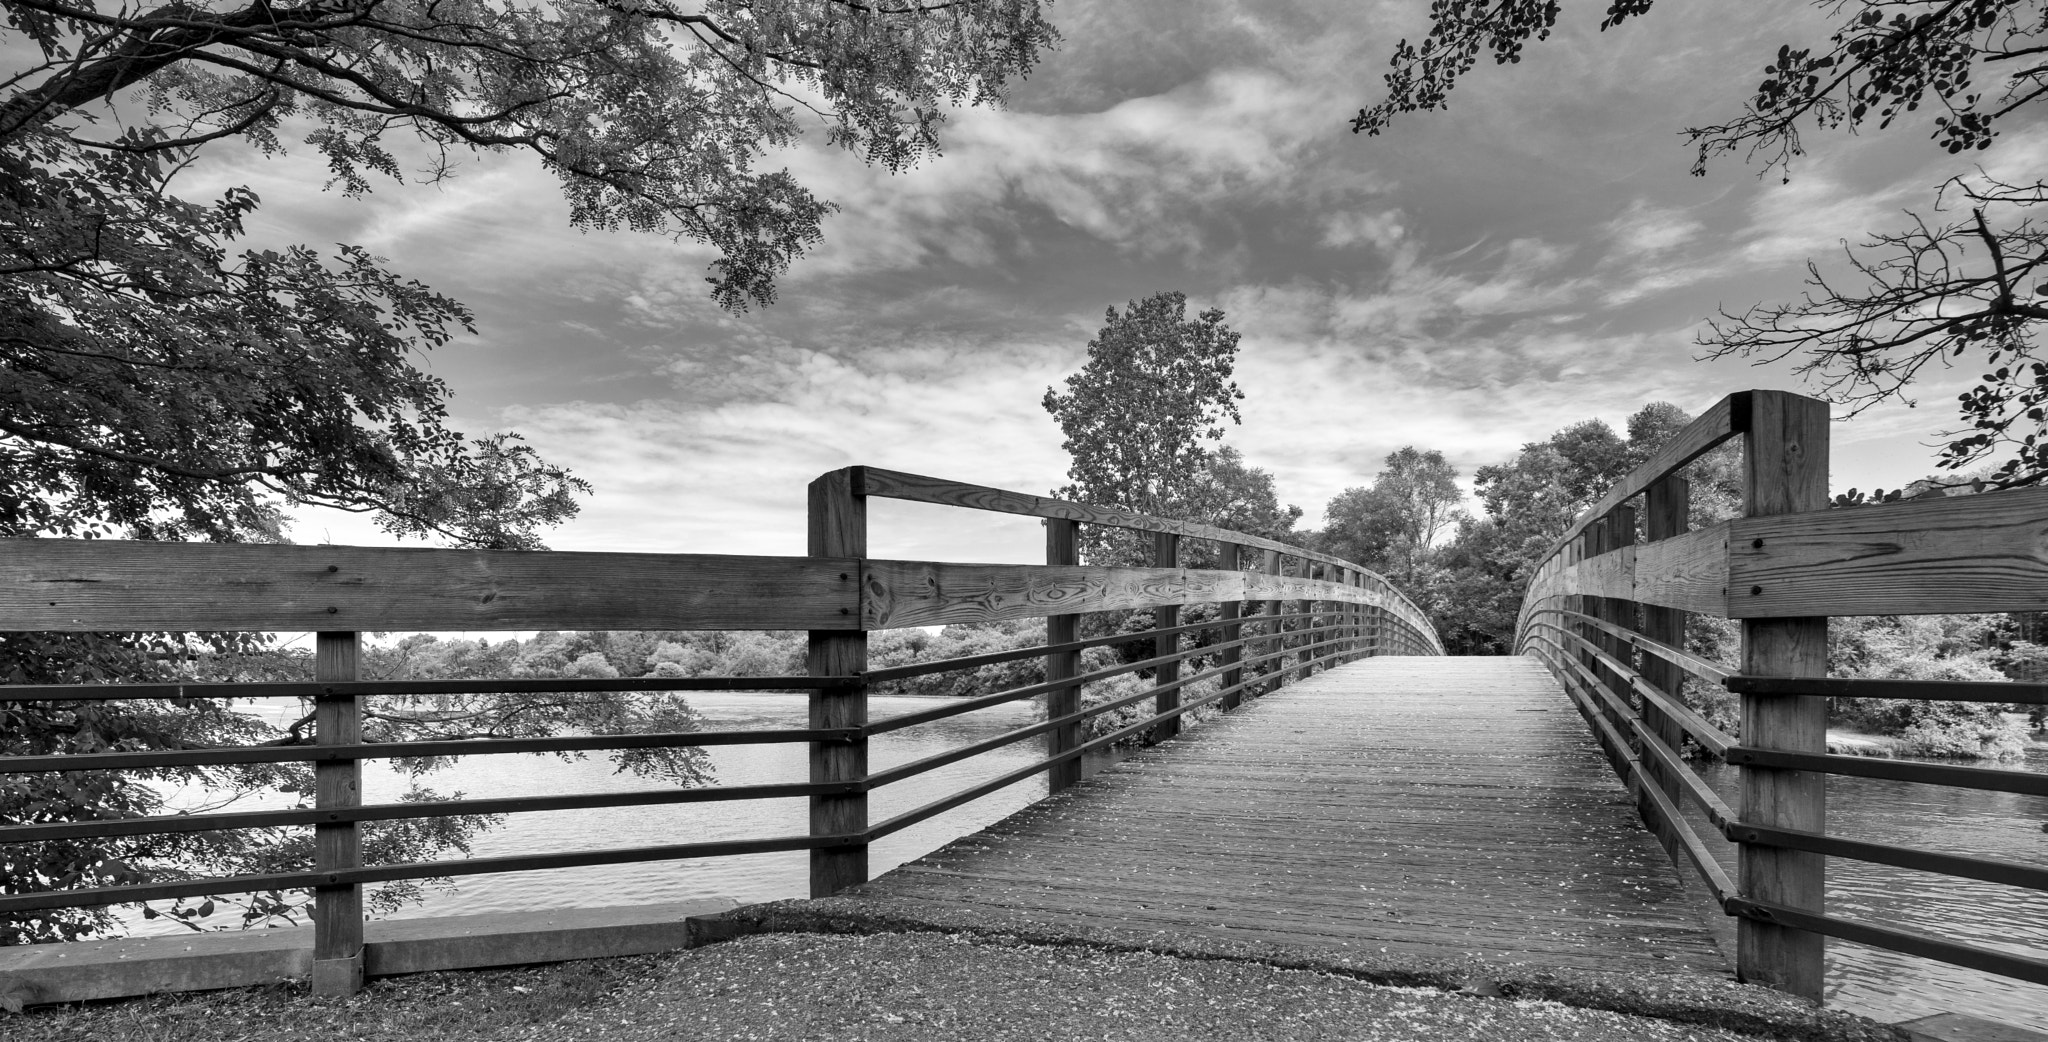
1156 386
1478 579
1232 494
1390 526
1963 282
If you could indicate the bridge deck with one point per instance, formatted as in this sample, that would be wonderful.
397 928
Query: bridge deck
1446 807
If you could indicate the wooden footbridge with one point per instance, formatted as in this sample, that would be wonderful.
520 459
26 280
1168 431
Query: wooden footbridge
1361 790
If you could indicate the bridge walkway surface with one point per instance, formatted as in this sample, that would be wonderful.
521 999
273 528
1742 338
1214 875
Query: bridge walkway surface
1452 808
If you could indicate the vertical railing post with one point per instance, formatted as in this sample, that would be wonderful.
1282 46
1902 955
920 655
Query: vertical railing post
337 910
1308 623
1619 611
1785 471
1304 640
839 528
1230 556
1668 505
1166 554
1062 547
1271 668
1376 626
1347 612
1589 547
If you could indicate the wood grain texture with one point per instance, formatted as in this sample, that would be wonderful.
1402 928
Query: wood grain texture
1666 515
1166 554
1443 807
114 585
1062 548
1688 571
1610 573
1232 557
928 593
1982 553
838 529
337 910
1785 467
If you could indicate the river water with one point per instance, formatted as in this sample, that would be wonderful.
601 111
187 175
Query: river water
1891 987
744 878
1869 981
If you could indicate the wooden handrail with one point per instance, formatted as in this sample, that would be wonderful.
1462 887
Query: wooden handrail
1782 570
836 593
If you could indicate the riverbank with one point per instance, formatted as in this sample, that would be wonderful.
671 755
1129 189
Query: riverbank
945 986
1846 742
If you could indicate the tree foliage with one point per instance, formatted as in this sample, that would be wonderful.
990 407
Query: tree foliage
1963 283
1473 584
1141 414
1391 525
164 373
168 378
652 114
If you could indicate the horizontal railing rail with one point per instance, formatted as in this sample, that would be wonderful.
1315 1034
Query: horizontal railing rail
1606 613
1283 612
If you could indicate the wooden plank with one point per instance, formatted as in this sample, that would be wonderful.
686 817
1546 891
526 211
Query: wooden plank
1722 420
1982 553
1231 557
1062 549
82 971
1427 805
1667 514
337 910
1961 1027
1608 574
917 488
929 593
116 585
1785 457
838 529
1166 554
1688 571
1270 570
464 942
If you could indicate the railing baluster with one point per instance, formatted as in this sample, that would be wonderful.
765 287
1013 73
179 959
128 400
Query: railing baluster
1062 547
1276 639
1668 509
1231 556
337 910
1785 471
838 528
1166 554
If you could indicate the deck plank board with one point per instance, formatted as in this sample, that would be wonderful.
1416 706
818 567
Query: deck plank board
1446 807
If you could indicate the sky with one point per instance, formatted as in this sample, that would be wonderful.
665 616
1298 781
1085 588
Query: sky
1477 278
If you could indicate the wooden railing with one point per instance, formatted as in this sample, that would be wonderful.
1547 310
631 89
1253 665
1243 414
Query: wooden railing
1297 612
1607 614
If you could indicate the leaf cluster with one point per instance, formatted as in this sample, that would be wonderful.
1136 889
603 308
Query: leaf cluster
651 113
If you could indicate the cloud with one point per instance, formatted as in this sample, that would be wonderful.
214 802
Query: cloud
1645 230
1147 175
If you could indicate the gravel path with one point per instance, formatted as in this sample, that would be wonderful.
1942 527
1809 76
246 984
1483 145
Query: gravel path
880 987
941 987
